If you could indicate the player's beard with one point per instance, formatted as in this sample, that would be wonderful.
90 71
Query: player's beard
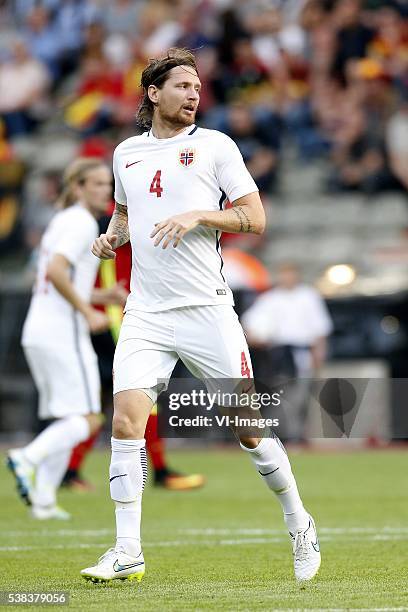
178 118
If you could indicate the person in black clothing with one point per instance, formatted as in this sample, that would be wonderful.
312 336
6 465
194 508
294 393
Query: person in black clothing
353 36
258 142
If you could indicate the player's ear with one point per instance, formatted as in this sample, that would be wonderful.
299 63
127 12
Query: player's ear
153 93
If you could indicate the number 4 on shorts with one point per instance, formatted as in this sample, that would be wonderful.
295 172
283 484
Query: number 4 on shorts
245 371
155 186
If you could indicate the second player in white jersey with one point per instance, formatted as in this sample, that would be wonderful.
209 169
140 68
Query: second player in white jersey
69 234
159 177
56 338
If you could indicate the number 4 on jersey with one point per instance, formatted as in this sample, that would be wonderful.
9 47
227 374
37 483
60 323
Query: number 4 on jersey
245 371
155 186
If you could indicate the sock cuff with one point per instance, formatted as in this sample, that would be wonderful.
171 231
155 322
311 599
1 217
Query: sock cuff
128 506
127 446
262 446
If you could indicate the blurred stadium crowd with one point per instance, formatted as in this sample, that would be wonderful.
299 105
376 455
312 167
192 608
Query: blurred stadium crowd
328 77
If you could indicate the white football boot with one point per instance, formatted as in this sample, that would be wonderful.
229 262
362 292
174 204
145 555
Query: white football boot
45 513
306 552
114 565
23 472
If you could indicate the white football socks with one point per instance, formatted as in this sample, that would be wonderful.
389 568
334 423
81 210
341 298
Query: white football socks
127 475
48 478
273 465
63 434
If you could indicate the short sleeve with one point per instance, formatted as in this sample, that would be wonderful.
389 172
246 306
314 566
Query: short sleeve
320 321
232 174
77 238
120 195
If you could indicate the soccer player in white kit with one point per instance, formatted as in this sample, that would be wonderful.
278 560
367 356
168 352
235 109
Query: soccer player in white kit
56 337
170 184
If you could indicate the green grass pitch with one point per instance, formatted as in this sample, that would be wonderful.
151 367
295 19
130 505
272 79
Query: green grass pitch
224 547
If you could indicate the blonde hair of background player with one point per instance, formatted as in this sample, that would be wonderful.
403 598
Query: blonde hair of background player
75 174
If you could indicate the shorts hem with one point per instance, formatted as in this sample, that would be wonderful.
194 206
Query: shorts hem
151 310
150 391
68 413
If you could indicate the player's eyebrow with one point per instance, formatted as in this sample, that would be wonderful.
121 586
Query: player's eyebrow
188 83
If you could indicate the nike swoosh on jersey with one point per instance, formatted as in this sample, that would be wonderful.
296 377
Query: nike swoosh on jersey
128 164
121 568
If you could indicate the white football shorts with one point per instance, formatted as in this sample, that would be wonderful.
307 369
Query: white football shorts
208 339
66 377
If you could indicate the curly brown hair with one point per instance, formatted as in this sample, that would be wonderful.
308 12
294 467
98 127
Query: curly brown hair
156 73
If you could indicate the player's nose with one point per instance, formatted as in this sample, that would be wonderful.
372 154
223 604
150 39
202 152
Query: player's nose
193 94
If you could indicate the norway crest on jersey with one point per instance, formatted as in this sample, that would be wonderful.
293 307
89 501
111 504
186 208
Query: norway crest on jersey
187 157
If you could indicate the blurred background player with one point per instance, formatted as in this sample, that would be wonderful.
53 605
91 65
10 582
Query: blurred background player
117 273
291 323
56 337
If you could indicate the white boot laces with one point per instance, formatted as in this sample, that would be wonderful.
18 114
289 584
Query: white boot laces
301 546
105 556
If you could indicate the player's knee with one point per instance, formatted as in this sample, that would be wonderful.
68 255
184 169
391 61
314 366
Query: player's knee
95 422
249 442
123 427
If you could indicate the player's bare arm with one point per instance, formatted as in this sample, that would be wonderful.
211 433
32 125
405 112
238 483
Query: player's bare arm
58 272
319 350
117 294
116 234
246 216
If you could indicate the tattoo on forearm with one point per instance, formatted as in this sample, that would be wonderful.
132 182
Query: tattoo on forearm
238 214
249 228
119 224
245 224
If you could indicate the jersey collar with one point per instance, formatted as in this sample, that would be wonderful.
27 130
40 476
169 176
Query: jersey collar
187 132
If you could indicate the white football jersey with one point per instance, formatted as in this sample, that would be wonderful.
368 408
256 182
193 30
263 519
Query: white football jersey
51 319
158 178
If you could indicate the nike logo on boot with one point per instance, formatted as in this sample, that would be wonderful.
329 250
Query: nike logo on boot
121 568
